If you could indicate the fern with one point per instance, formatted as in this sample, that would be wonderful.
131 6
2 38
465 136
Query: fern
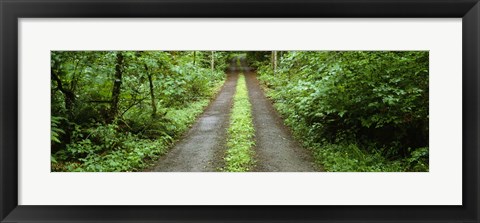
55 130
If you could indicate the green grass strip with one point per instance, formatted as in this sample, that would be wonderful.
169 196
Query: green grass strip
241 131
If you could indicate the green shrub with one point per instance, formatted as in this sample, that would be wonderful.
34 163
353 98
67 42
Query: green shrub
376 100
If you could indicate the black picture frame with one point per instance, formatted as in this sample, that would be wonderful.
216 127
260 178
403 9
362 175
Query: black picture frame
11 11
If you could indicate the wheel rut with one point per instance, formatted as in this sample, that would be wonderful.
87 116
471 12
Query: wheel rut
276 150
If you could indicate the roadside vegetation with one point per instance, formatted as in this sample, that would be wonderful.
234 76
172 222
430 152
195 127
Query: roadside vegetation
355 110
120 110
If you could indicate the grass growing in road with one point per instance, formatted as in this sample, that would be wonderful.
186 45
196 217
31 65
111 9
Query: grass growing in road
241 131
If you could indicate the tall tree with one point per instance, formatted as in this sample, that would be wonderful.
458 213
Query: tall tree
69 95
57 73
194 57
274 61
117 84
212 61
152 92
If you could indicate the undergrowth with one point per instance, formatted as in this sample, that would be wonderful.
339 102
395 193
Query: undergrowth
357 111
108 148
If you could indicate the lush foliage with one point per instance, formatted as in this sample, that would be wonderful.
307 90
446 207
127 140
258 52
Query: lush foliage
120 110
241 131
357 110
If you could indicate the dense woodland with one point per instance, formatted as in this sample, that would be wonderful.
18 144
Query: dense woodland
118 111
356 110
353 110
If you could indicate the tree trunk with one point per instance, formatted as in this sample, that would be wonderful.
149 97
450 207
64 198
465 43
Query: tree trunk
271 59
67 93
194 57
152 93
117 84
69 96
212 62
274 61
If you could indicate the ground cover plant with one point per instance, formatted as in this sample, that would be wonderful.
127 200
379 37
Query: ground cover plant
239 154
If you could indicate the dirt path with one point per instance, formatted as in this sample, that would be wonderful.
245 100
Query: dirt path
203 146
276 150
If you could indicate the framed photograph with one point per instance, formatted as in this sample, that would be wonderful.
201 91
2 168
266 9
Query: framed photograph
227 111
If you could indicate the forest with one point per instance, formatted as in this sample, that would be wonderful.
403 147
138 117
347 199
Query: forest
239 111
